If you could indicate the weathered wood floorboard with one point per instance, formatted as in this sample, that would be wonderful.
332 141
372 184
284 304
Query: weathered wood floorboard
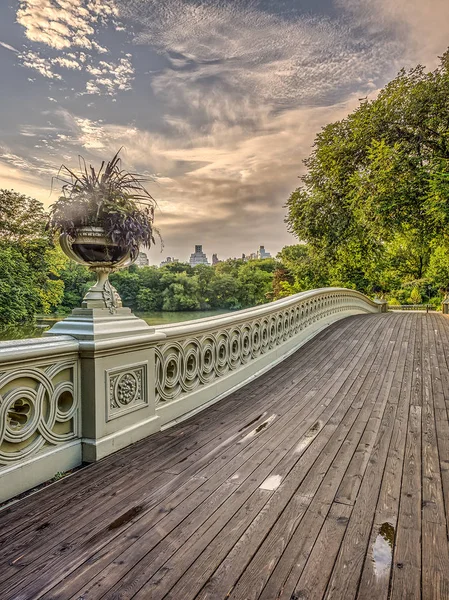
326 478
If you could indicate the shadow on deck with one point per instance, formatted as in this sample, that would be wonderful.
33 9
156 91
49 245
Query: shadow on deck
328 477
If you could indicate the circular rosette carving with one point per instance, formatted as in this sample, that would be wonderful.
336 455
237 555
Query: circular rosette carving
66 406
222 352
22 408
256 341
234 348
126 388
264 335
245 343
207 359
192 351
169 365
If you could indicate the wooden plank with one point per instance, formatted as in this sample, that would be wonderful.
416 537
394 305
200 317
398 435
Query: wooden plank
406 580
378 562
347 569
313 581
441 397
200 569
350 484
435 555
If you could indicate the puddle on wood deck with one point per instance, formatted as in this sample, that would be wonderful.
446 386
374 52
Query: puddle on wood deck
382 551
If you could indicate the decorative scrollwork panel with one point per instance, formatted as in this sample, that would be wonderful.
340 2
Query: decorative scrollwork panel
185 364
39 406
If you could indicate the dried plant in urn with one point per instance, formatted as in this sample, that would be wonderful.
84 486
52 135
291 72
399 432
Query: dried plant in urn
103 217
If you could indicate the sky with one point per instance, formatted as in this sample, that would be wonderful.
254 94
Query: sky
216 101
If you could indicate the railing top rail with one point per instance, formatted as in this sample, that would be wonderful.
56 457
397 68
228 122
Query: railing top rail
411 307
35 348
238 316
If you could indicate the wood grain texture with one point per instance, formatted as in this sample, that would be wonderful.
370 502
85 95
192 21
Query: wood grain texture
326 478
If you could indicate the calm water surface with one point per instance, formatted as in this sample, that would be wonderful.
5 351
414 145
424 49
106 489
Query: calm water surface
33 330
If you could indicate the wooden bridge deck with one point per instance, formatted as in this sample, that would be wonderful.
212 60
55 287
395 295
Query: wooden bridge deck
328 477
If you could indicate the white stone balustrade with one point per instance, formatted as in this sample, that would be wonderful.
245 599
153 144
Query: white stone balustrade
114 380
201 361
40 411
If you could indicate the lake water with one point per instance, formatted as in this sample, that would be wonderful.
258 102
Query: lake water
33 330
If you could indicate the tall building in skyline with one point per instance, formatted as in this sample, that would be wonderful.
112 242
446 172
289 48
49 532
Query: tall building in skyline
142 260
168 261
215 259
198 257
262 253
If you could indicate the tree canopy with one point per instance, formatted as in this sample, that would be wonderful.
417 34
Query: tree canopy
373 206
31 265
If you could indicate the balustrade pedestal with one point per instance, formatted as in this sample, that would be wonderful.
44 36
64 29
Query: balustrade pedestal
117 384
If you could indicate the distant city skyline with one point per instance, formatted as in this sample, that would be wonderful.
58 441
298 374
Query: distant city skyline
218 102
201 257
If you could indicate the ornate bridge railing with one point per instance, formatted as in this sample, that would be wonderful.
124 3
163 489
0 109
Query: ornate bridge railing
203 360
65 399
39 411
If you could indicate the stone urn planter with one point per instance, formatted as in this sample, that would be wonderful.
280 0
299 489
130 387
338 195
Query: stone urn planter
92 248
102 217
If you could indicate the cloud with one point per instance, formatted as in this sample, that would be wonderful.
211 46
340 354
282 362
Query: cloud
209 189
8 47
32 60
110 77
67 63
70 28
15 178
421 27
220 50
63 23
238 100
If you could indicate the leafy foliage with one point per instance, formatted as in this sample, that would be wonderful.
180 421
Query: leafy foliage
110 197
373 206
230 284
30 265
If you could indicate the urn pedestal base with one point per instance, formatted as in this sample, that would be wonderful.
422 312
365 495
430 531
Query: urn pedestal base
95 324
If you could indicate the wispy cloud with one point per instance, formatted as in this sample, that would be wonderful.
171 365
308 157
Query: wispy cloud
8 47
420 27
221 49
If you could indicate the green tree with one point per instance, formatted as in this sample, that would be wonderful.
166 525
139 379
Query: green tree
31 265
77 279
256 277
377 185
18 298
182 293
